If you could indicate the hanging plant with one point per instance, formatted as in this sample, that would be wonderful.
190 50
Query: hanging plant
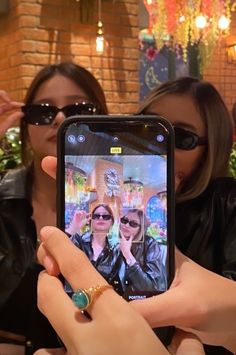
190 22
79 180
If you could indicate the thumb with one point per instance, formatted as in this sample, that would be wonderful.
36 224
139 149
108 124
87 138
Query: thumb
49 165
167 309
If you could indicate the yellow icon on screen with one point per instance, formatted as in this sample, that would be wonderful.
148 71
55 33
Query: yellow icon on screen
115 150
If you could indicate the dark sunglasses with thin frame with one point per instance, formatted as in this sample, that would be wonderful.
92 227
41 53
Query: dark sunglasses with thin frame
184 139
105 217
133 224
187 140
45 114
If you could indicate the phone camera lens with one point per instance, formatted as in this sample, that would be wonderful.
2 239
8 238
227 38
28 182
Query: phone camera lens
71 138
81 138
160 138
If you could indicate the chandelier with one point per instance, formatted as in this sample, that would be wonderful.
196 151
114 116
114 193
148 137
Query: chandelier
181 23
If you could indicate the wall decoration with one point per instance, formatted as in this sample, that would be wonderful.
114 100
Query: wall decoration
189 22
112 181
132 194
157 66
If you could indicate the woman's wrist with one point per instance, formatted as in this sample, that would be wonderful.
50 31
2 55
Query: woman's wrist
130 260
69 231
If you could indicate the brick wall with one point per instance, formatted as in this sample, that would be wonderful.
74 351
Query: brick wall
222 73
38 32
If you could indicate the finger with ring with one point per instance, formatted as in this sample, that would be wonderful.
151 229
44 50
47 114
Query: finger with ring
83 298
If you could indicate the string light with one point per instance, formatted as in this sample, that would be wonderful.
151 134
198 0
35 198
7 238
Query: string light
200 21
223 23
181 18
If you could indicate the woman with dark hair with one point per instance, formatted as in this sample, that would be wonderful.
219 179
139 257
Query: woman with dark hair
94 242
57 91
144 269
205 194
55 77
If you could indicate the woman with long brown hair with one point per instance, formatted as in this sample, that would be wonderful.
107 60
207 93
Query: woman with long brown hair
205 194
28 194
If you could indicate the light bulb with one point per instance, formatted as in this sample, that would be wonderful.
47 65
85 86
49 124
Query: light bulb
149 2
100 44
223 22
100 38
181 18
200 21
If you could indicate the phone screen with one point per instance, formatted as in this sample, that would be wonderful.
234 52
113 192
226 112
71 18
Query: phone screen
115 199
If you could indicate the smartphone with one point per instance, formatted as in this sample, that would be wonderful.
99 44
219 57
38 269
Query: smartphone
115 179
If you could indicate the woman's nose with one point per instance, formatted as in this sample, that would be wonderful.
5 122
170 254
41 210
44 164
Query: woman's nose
60 117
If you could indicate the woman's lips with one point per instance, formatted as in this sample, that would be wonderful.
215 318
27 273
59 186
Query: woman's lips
101 223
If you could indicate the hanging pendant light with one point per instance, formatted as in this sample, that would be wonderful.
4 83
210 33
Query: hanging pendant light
100 43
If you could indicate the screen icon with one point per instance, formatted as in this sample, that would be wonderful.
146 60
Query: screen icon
160 138
116 150
81 138
115 139
71 139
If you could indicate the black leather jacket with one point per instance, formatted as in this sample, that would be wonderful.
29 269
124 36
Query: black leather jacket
206 232
17 232
106 261
18 270
146 274
206 228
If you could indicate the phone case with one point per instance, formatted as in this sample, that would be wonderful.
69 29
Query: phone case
105 175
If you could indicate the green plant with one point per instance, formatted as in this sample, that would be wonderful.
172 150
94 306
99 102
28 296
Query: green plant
10 147
232 163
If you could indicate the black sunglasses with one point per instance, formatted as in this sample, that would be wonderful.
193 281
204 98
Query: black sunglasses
106 217
187 140
133 224
44 114
184 139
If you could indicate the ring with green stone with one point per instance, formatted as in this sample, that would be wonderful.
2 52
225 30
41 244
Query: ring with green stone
83 298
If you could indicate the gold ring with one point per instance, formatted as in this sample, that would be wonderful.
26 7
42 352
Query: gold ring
83 298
